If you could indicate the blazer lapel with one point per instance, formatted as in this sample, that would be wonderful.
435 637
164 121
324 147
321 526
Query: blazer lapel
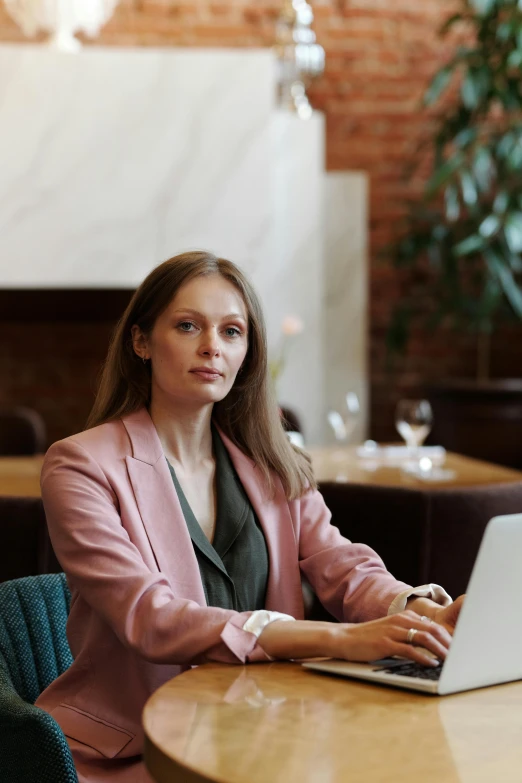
159 507
284 592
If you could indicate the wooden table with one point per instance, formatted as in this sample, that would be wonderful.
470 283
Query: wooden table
20 476
278 723
338 464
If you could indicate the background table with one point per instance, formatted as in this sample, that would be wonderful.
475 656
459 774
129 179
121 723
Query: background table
342 464
278 723
20 476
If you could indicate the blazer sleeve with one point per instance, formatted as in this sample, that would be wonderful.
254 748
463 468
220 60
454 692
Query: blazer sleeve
350 580
109 573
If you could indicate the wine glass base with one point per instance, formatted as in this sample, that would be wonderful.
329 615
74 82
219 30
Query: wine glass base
433 473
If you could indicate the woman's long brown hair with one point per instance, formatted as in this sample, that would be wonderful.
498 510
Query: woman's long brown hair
248 415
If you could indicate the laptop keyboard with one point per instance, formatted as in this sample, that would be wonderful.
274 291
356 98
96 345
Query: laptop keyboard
411 670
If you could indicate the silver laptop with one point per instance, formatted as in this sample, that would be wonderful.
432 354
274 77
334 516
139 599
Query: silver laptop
486 648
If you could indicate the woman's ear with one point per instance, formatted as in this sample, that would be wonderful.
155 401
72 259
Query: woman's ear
139 342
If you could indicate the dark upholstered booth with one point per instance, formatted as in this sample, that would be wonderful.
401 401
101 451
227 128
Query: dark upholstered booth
457 523
22 432
423 535
25 548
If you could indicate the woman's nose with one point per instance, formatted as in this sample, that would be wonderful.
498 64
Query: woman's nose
210 344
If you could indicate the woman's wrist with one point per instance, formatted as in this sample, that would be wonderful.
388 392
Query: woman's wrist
423 606
300 639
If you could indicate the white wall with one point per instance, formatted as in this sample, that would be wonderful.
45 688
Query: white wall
113 160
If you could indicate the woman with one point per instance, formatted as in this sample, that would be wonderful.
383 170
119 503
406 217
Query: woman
184 519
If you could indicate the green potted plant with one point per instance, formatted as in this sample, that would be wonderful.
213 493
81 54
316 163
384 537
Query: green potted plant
462 244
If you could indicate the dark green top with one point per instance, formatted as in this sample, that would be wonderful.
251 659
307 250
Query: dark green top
234 568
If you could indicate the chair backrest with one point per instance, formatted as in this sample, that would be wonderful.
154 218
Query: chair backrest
22 432
33 616
394 521
25 547
290 420
458 521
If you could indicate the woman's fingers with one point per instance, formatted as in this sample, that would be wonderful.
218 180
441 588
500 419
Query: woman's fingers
426 640
416 634
406 634
419 624
415 654
434 630
440 633
449 615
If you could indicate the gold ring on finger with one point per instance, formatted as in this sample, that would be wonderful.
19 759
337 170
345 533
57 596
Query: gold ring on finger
411 635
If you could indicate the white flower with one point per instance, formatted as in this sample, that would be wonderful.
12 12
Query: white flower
292 325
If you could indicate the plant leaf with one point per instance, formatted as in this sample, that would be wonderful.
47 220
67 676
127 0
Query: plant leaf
509 285
469 191
448 24
438 84
514 160
515 262
441 175
514 60
489 226
483 7
513 231
470 91
483 168
504 30
501 202
506 144
465 137
469 245
490 300
451 198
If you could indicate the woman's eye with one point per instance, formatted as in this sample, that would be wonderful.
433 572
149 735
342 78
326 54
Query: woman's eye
184 324
233 332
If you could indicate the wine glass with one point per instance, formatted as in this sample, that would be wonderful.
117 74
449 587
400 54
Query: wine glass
343 424
413 420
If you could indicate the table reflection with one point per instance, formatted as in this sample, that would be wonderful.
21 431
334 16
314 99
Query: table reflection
475 744
277 723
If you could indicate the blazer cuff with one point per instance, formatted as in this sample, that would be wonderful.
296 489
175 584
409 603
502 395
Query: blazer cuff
433 591
258 621
241 637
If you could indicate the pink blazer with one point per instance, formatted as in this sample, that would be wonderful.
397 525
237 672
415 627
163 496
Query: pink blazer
138 614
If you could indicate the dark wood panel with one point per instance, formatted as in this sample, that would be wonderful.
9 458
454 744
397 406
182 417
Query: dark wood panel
70 305
480 420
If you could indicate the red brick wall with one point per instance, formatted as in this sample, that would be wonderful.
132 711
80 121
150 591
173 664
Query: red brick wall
380 55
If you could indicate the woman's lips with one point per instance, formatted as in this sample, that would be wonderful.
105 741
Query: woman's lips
206 375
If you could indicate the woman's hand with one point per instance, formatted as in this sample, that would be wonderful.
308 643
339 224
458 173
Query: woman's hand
360 641
448 615
389 636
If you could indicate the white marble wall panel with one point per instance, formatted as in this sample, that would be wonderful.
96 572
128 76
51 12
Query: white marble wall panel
346 293
114 159
292 280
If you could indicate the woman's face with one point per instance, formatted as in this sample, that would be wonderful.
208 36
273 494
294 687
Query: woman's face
197 344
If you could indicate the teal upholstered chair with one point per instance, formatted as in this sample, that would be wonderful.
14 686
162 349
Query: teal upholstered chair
33 652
